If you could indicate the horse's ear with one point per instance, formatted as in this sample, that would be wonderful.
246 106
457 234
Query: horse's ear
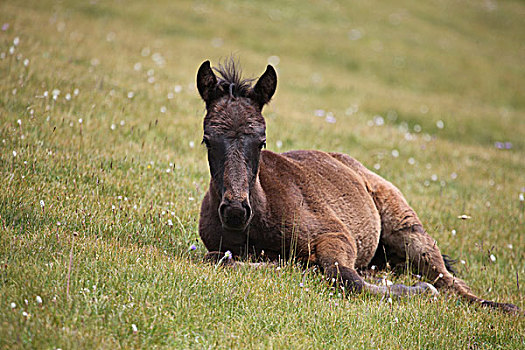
265 87
206 82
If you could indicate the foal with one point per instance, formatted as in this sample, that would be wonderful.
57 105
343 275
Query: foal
326 208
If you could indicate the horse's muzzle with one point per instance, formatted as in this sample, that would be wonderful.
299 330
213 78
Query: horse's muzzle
235 215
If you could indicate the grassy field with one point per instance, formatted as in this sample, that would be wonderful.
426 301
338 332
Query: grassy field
102 174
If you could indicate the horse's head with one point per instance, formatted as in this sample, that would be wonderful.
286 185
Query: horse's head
234 134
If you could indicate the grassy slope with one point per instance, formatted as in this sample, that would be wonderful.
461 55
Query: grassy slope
415 64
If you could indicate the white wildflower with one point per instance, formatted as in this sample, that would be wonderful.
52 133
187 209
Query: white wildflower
274 60
217 42
55 93
378 120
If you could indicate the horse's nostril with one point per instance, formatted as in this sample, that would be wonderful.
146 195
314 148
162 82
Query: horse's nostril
222 208
247 209
235 215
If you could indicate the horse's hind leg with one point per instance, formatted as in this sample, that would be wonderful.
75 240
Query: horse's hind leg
404 239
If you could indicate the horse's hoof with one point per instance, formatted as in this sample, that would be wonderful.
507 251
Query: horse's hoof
419 288
426 287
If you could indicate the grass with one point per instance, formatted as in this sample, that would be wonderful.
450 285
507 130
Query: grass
101 188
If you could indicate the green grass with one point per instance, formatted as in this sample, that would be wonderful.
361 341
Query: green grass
101 253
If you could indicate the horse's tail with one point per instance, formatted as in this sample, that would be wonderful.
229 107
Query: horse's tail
460 287
449 264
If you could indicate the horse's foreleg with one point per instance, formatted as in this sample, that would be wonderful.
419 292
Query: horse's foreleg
335 253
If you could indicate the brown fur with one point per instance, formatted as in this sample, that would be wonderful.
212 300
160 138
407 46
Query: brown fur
324 208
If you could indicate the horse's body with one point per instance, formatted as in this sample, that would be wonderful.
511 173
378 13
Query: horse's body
326 209
300 196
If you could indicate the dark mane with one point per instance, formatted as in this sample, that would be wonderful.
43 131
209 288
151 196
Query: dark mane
230 80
